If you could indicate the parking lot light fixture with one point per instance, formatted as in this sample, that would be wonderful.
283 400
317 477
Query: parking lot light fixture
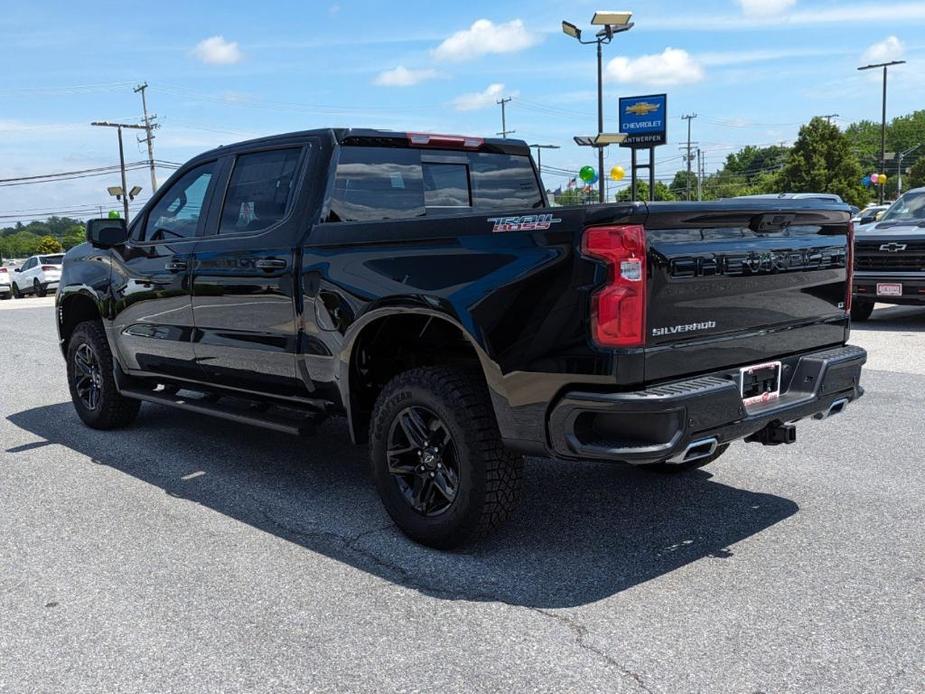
886 67
612 23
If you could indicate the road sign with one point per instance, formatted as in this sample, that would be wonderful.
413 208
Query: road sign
645 120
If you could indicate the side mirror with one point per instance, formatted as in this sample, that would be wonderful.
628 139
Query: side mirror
880 215
105 233
17 269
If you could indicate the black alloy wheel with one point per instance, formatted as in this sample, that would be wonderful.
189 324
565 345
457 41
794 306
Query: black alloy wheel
423 461
88 381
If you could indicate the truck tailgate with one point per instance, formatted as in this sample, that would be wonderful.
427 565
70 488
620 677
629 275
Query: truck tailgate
739 283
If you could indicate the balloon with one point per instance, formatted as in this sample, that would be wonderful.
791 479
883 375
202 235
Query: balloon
113 214
587 173
881 179
594 180
874 179
865 181
617 173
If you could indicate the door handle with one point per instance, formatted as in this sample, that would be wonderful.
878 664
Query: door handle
175 265
270 264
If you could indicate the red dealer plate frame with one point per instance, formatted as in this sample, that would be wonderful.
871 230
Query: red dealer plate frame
765 397
889 289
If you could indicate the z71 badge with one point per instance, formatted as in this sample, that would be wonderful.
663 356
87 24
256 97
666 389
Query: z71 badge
529 222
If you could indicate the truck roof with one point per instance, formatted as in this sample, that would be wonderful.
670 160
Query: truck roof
386 138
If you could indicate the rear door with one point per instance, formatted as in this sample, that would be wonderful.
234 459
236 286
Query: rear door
243 277
735 285
153 325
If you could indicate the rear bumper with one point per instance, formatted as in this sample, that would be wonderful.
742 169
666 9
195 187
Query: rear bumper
661 422
865 287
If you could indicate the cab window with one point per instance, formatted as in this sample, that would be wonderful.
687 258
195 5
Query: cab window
260 192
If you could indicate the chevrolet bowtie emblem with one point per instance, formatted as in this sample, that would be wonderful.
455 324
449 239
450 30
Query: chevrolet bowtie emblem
642 108
893 247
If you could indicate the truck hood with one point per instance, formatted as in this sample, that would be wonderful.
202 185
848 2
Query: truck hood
880 230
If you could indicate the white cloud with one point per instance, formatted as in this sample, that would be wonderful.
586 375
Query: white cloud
215 50
484 37
891 48
477 100
403 77
765 8
830 14
670 67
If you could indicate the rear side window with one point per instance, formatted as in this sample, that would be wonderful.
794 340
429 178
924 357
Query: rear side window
260 190
374 183
503 181
380 183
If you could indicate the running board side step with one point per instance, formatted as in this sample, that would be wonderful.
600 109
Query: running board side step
221 409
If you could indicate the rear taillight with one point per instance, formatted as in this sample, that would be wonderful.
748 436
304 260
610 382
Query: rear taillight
849 263
4 271
50 268
618 311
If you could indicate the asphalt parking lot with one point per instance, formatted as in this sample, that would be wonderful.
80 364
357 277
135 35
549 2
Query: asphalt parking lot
189 554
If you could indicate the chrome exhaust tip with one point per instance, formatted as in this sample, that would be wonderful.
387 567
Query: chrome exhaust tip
835 408
695 450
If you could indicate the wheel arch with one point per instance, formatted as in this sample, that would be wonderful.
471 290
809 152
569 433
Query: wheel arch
74 308
387 341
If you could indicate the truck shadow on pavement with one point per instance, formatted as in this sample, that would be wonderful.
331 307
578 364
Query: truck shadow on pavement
903 319
583 531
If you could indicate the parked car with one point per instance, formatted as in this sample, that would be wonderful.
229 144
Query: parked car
37 275
869 215
6 289
890 257
421 286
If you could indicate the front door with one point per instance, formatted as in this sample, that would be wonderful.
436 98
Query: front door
243 278
153 325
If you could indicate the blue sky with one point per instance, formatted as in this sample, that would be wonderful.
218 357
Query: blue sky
753 70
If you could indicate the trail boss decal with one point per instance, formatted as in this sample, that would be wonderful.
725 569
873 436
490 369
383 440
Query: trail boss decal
529 222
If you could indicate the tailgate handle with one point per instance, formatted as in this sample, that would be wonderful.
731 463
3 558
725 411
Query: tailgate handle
175 265
270 264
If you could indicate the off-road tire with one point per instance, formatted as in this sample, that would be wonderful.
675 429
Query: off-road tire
489 475
675 468
861 310
114 410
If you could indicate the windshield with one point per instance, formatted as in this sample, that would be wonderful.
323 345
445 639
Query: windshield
909 208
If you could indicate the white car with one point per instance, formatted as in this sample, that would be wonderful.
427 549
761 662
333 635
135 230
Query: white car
6 290
37 275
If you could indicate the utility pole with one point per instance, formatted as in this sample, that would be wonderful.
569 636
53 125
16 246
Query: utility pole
699 174
539 157
118 127
150 126
504 131
831 116
689 117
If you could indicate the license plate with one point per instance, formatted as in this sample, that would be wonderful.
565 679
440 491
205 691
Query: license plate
760 384
889 290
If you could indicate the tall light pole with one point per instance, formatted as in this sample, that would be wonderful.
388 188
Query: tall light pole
150 126
885 66
613 23
118 127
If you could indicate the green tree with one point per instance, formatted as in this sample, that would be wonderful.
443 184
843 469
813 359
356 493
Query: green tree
678 186
662 192
49 244
916 177
821 161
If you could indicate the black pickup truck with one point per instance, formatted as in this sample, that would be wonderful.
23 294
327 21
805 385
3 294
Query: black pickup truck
890 257
421 286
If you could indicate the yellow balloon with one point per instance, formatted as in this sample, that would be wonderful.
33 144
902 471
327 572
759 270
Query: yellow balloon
617 173
881 179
